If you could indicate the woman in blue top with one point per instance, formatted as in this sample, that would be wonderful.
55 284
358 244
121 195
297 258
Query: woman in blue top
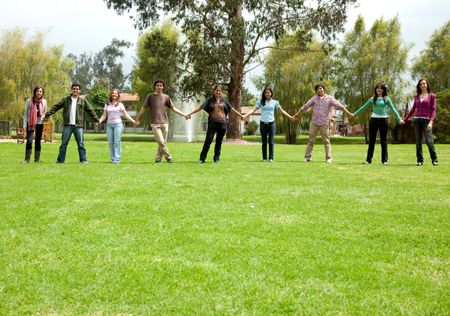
267 122
379 121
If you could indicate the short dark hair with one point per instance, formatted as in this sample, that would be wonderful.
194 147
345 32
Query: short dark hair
75 84
159 81
320 84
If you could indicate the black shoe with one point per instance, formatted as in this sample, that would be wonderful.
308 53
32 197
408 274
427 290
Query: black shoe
435 163
201 161
157 160
216 160
169 160
419 164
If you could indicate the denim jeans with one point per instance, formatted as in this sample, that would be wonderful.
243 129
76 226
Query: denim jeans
67 132
375 124
420 128
114 132
213 128
37 140
267 132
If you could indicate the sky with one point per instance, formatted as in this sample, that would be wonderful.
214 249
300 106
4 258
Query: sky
88 25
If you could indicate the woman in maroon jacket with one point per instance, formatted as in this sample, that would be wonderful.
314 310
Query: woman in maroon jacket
424 111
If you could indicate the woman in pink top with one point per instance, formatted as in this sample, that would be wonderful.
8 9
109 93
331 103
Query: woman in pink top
113 111
424 111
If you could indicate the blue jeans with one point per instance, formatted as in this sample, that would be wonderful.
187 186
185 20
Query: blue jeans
420 128
267 131
114 132
79 137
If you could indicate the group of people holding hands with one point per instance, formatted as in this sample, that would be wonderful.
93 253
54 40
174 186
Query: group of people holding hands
157 103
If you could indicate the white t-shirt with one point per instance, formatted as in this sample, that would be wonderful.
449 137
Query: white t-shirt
73 111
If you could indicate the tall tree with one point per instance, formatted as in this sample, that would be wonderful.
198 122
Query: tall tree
231 31
433 61
82 71
24 63
368 57
100 68
157 57
105 67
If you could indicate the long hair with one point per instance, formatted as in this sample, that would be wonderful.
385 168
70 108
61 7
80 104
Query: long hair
36 89
216 86
375 94
110 95
418 90
263 97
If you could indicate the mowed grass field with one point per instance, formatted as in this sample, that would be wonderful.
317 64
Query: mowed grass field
239 237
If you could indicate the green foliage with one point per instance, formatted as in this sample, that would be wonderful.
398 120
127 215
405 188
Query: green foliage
222 40
158 57
286 238
433 62
25 63
102 68
441 126
369 57
97 96
251 127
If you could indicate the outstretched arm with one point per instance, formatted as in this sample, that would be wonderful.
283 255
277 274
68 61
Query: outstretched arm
173 108
128 117
103 117
188 116
286 113
137 121
350 114
249 113
240 115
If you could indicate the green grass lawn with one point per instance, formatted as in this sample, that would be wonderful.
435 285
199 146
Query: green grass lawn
239 237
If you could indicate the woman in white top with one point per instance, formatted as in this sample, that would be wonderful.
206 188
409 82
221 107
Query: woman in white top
113 111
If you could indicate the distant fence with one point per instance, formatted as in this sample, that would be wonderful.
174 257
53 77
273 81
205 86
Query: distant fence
4 128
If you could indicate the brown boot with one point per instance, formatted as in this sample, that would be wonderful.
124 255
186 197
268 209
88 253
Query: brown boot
37 156
27 156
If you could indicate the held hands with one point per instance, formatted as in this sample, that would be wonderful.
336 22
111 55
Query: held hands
351 116
188 116
137 122
401 122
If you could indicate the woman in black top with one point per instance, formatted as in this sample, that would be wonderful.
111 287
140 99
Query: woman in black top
217 109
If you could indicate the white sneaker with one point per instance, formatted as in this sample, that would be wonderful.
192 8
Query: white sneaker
328 160
307 160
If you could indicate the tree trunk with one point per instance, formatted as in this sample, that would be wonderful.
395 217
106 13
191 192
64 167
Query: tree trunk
237 73
291 132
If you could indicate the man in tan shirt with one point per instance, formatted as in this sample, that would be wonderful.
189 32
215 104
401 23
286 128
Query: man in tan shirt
157 103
